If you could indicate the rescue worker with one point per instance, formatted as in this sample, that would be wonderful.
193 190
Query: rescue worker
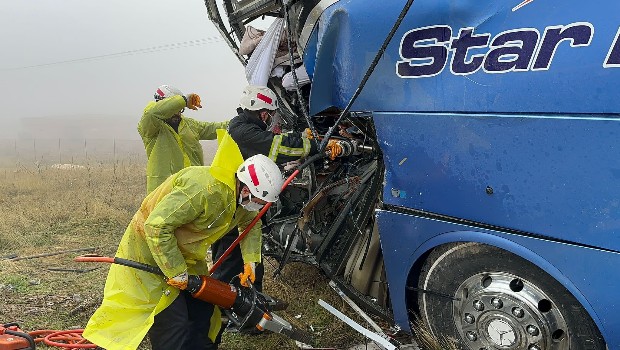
174 227
171 140
251 131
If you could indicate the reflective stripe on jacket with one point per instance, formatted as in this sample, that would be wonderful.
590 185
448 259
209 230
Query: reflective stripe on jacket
168 151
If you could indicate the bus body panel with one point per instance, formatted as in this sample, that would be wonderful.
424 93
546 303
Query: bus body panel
554 176
455 55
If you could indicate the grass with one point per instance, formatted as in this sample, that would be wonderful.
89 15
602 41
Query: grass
426 340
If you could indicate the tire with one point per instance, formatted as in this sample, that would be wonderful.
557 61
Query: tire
504 302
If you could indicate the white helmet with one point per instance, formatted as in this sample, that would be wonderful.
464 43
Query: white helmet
165 91
255 98
262 176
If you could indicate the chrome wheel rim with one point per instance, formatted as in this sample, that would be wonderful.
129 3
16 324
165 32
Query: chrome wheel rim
499 310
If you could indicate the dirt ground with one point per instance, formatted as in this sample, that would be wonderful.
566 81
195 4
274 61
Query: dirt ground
50 210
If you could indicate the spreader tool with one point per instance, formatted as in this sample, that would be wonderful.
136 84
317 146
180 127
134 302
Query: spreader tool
245 306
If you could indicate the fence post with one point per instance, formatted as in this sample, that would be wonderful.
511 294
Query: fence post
114 157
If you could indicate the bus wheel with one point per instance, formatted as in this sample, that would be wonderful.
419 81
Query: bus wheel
487 298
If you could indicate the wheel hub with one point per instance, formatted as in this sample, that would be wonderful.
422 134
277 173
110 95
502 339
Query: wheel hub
501 333
503 311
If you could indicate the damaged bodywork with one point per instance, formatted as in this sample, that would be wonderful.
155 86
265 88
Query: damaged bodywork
475 176
326 215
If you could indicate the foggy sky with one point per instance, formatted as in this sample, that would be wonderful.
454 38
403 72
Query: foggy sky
41 32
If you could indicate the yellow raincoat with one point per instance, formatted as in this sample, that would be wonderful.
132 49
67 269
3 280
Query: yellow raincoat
166 150
173 228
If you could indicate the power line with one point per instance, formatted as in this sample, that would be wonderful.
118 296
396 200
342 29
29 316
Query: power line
173 46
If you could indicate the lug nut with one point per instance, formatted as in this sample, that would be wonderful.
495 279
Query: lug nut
532 330
518 312
478 305
497 303
471 336
469 318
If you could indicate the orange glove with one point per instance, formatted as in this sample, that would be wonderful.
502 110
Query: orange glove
333 149
179 281
249 272
309 136
193 101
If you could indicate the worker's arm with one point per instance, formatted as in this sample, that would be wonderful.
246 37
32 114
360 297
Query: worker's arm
291 146
181 206
208 130
155 114
279 148
251 244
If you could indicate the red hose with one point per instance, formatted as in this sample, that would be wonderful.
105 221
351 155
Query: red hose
94 258
69 339
247 229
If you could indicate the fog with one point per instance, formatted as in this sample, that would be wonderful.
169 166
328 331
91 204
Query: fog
84 69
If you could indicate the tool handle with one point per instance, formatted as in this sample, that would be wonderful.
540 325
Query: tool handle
241 236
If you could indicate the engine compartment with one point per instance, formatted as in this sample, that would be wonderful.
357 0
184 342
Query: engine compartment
325 216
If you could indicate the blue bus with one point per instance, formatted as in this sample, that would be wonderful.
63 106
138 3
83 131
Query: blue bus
483 197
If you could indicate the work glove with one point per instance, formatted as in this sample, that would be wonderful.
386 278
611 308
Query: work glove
333 149
183 281
288 166
249 272
308 134
179 281
192 101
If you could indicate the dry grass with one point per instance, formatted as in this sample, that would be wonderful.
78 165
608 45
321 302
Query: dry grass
56 210
427 341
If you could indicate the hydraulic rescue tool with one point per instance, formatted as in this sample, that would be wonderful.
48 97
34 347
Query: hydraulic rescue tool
13 338
346 147
245 306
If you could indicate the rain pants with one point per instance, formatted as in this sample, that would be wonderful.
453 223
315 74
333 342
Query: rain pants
168 151
173 228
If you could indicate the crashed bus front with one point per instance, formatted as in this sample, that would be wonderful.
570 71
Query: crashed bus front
489 167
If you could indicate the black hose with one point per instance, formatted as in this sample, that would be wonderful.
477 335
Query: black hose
311 160
374 63
139 266
302 101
